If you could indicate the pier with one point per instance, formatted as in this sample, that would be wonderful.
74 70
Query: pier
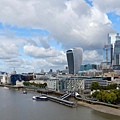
62 101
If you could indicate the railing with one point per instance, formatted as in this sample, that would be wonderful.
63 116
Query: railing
65 95
61 101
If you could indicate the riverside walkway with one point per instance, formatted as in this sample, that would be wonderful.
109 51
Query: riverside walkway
97 103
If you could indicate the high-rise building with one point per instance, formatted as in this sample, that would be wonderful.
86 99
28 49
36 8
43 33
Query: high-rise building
117 51
74 59
108 50
112 38
108 53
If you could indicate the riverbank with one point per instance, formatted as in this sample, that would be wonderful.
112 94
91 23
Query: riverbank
101 108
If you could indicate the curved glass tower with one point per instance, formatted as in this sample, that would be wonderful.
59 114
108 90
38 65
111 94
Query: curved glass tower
74 59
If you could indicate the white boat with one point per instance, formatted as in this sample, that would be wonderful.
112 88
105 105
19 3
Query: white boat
24 92
6 87
40 98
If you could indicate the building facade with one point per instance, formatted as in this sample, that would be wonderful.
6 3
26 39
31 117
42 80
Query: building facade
17 77
88 82
117 51
109 47
74 59
4 78
88 67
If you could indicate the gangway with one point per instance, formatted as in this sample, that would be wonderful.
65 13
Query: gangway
61 101
65 96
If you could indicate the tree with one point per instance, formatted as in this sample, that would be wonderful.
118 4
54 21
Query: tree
106 96
110 97
26 83
117 93
95 86
99 96
95 94
40 85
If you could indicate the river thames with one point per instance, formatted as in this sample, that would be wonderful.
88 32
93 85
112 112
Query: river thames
14 105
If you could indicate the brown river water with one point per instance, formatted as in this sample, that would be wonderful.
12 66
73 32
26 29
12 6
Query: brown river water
14 105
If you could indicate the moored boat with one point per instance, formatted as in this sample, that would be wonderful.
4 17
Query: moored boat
6 87
24 92
40 98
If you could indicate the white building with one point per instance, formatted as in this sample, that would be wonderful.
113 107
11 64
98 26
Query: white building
37 81
52 84
5 78
112 38
19 83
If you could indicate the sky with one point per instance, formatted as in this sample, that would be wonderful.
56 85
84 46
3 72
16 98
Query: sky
35 34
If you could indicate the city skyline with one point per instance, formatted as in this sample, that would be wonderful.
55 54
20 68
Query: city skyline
35 34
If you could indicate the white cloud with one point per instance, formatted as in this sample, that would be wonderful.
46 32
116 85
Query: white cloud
108 5
46 58
40 52
7 52
91 57
71 23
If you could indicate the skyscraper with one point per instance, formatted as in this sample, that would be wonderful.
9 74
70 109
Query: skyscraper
74 59
108 50
117 51
108 53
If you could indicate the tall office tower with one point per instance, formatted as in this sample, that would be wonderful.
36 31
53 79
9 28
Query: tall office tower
74 59
108 49
117 51
108 53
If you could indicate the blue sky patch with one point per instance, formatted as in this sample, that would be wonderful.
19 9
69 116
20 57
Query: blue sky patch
55 44
89 2
115 21
1 25
24 32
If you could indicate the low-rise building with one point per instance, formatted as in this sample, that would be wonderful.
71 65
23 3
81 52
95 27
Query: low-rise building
5 78
38 81
87 83
52 84
88 67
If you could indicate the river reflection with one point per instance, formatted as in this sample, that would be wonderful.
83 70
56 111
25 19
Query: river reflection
17 106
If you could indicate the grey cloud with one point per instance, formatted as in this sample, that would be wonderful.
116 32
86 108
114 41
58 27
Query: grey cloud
108 5
44 44
70 23
31 42
80 7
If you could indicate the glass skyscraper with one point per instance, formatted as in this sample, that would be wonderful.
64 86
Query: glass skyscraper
117 51
108 53
74 59
108 50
